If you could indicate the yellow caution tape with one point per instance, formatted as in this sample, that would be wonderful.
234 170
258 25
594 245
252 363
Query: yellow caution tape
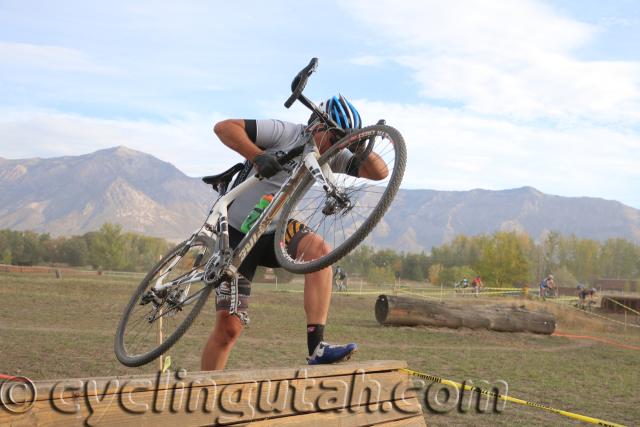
436 295
430 296
354 292
512 399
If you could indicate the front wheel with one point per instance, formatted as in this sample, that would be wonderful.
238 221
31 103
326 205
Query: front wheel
153 321
336 223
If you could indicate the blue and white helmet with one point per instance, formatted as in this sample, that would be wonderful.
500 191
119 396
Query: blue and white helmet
342 112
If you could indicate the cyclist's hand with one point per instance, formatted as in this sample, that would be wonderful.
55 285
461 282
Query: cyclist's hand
267 165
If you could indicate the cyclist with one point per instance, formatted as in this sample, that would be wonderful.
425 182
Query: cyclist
582 295
547 286
464 283
551 286
591 293
260 141
476 284
461 285
543 288
340 278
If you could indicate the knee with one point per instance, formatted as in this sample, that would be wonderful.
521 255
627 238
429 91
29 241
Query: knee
313 247
228 329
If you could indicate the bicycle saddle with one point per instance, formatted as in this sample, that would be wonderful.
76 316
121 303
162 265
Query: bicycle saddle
224 177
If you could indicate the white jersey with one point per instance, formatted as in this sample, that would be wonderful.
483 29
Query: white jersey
273 136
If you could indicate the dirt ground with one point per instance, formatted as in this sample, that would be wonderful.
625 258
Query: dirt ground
65 328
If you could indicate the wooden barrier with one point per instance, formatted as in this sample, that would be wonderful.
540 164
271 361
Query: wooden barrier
349 394
609 303
6 268
60 271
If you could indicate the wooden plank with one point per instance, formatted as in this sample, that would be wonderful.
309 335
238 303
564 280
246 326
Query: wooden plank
75 387
400 412
243 401
417 421
137 402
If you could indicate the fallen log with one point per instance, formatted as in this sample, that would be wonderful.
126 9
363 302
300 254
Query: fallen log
404 311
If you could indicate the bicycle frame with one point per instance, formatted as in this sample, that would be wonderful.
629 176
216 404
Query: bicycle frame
229 260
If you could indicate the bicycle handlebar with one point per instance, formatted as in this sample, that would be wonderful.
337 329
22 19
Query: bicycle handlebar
295 152
300 81
297 86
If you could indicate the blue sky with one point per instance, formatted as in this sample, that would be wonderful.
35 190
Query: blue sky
488 94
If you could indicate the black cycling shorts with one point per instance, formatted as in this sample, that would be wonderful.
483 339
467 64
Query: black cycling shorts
262 254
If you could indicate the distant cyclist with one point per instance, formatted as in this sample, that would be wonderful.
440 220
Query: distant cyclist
547 287
340 279
476 284
461 285
551 286
582 295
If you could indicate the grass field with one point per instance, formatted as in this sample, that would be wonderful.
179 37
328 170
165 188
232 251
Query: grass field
64 328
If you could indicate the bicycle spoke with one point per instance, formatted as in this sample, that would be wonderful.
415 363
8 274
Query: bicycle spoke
342 220
138 336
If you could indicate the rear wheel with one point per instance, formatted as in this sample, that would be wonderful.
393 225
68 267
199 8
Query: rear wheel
153 321
344 219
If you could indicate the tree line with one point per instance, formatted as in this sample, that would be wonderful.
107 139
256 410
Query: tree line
109 248
501 258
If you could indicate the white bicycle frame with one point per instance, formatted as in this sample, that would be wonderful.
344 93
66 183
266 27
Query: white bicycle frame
216 226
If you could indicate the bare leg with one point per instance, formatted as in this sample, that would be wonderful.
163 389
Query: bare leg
317 286
222 339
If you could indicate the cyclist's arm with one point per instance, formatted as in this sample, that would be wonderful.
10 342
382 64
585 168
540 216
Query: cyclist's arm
233 134
373 168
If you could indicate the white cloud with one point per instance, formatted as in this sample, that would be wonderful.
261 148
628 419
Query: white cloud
453 150
49 57
512 59
368 60
529 108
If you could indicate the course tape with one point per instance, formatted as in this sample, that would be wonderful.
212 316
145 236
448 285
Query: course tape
436 294
622 305
300 291
512 399
600 316
432 296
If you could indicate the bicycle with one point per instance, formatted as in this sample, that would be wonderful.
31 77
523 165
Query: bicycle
550 292
339 208
459 287
340 283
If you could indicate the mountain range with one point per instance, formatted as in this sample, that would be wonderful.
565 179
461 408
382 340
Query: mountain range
76 194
